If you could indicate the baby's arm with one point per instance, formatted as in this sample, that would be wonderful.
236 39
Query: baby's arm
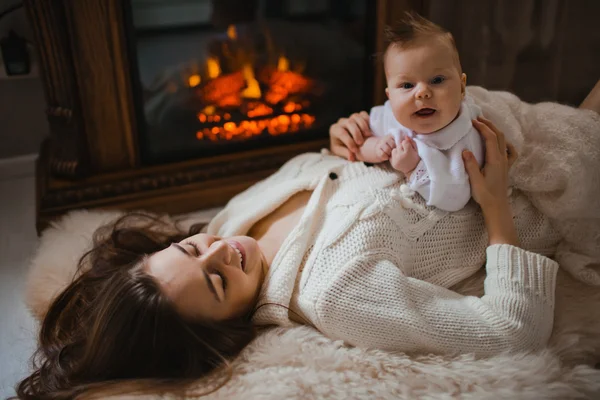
376 149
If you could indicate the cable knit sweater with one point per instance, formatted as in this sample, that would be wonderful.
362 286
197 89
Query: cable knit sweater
370 265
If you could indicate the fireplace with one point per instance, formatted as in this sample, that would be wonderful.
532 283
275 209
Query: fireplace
178 105
262 77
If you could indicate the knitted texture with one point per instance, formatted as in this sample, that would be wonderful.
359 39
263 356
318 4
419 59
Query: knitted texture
369 252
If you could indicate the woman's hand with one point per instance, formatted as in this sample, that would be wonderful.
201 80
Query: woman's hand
489 186
348 133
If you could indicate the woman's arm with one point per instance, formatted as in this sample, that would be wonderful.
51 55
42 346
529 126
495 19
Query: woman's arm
373 304
489 186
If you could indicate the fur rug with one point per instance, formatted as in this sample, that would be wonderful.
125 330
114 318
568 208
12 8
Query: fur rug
300 363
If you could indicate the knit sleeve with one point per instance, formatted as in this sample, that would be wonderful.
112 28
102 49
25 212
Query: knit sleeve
373 304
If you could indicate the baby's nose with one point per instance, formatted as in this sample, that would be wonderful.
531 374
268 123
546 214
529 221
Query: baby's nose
423 94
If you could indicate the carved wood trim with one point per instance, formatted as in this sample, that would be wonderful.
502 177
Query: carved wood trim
176 188
68 156
97 37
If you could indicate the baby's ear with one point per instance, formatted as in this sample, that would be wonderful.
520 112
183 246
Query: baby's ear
387 92
463 84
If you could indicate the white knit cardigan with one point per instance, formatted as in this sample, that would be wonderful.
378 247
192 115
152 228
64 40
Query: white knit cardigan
371 266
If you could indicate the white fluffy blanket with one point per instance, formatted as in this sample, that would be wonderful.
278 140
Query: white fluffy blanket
558 169
300 363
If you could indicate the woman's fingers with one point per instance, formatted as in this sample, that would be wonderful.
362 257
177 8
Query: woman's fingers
339 134
360 129
351 126
475 175
344 152
492 151
362 120
499 134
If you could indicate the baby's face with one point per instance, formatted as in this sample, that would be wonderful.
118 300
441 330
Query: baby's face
425 87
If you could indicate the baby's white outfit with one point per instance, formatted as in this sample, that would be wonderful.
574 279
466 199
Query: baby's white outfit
440 177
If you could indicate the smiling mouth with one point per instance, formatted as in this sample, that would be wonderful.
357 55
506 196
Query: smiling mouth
239 250
425 112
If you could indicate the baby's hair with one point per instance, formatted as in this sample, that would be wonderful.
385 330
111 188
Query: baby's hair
408 30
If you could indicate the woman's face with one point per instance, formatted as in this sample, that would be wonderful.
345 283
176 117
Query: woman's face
208 277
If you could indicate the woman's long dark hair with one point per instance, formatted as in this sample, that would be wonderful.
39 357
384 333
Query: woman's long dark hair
113 324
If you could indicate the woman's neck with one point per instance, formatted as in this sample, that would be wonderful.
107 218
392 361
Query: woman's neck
273 229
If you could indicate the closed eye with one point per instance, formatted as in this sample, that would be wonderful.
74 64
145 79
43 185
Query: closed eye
194 246
223 279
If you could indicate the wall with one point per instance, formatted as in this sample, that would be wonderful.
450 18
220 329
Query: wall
22 119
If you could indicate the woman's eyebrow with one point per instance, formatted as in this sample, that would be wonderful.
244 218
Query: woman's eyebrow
180 248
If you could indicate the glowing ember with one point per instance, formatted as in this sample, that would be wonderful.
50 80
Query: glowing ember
246 129
256 109
225 90
291 107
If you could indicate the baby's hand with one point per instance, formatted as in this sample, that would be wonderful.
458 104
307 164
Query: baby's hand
384 147
405 157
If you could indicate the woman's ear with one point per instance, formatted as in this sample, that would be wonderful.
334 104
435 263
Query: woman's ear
463 84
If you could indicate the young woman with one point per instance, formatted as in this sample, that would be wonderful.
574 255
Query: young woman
337 245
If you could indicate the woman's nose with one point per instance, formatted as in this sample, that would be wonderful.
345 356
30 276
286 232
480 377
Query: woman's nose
219 251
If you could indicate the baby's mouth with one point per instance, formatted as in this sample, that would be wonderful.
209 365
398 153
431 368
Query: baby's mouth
425 112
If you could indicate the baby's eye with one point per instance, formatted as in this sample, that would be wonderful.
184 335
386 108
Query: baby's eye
437 80
407 85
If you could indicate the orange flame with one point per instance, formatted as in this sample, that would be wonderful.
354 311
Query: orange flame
194 80
214 69
231 32
252 90
283 64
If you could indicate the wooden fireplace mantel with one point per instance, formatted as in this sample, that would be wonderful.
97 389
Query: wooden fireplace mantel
92 157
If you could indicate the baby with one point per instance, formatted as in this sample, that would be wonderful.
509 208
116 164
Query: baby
426 124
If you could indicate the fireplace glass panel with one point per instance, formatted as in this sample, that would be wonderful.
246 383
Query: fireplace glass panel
220 76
